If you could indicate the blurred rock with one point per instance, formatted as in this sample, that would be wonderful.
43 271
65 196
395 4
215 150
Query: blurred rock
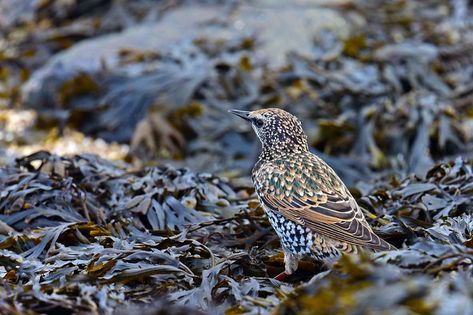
268 21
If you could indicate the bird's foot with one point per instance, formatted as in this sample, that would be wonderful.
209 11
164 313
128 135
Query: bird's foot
280 277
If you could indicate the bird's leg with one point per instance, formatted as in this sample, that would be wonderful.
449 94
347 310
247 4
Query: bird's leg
290 262
280 277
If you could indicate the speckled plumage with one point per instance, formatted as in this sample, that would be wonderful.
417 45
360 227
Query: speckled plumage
308 205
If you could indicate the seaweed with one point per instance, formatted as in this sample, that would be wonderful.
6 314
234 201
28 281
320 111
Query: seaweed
200 241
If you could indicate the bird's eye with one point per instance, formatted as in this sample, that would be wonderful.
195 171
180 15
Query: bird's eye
259 123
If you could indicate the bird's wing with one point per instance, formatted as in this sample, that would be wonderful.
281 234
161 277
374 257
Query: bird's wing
307 191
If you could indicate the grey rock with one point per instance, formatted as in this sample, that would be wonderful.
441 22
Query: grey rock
279 27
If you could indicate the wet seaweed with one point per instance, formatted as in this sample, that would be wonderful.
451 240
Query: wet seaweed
204 242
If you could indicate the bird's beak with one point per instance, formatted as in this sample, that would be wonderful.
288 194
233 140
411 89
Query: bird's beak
240 113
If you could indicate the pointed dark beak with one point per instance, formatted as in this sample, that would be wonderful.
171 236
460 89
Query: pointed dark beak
240 113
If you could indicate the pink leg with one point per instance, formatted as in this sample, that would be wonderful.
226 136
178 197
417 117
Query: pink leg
280 277
290 262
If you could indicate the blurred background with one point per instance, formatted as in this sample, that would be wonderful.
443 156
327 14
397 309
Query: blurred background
379 86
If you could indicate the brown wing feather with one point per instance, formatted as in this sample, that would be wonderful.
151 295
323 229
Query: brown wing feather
307 191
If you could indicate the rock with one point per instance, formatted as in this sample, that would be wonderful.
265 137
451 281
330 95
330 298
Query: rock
279 27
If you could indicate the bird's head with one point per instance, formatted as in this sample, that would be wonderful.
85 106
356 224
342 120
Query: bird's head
278 130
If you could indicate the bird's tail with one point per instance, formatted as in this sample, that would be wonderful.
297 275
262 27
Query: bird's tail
382 245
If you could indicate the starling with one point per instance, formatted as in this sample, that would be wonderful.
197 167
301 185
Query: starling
309 207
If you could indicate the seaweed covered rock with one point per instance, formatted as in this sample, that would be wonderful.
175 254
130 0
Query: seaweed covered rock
80 232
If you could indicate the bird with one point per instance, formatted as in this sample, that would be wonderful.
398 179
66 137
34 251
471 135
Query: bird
308 205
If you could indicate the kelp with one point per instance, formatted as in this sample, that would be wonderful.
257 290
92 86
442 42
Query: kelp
203 242
159 198
360 285
151 231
